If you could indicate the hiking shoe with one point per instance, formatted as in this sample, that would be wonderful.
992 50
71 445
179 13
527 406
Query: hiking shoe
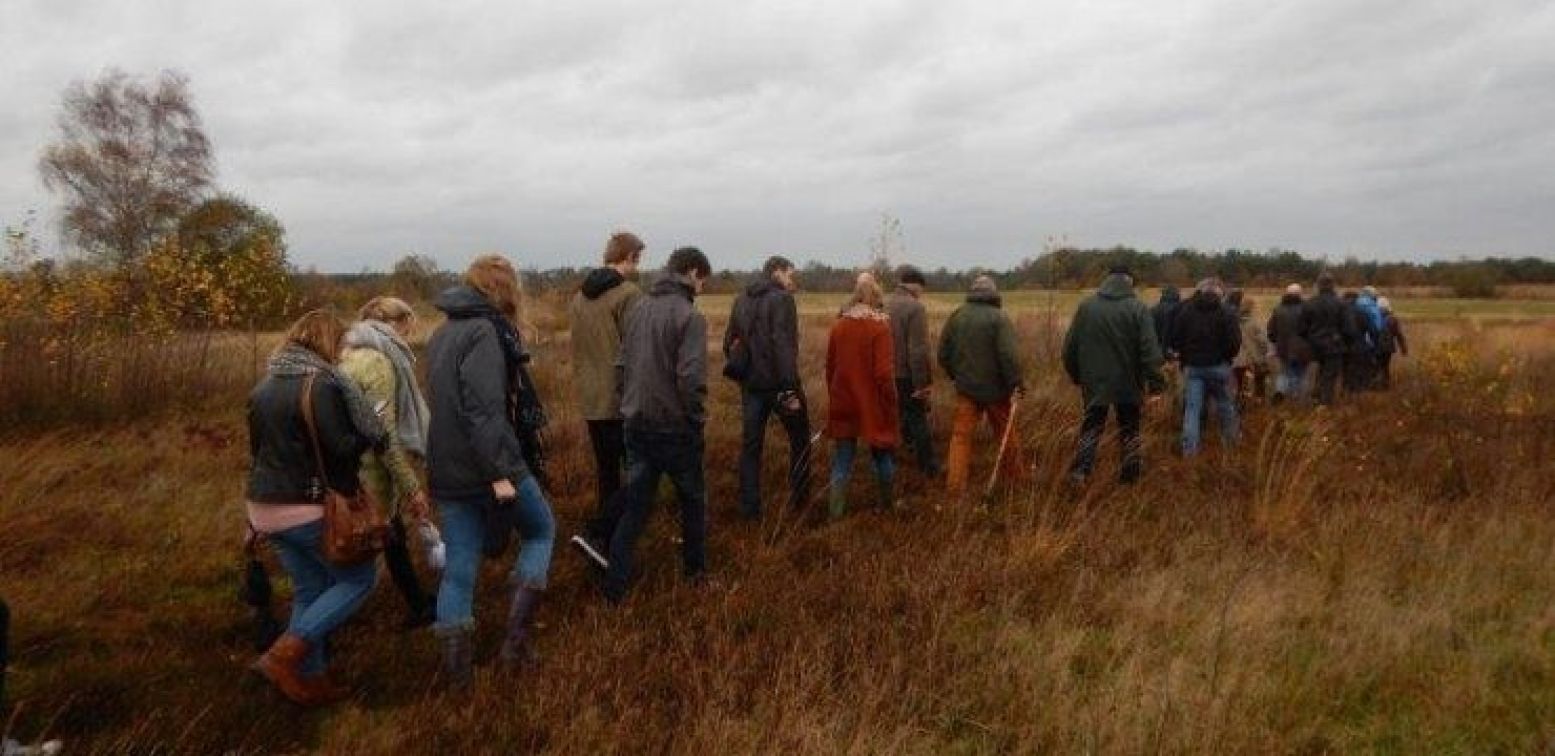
591 551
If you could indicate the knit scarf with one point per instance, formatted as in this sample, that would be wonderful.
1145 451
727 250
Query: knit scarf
409 406
294 360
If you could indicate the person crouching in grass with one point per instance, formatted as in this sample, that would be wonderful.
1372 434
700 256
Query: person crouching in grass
286 495
475 462
861 384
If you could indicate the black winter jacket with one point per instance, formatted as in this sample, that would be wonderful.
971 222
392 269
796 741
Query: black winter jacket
663 363
1285 330
471 442
1164 313
766 320
1205 333
1326 325
282 468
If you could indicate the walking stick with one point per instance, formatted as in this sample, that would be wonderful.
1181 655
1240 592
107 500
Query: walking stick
1004 443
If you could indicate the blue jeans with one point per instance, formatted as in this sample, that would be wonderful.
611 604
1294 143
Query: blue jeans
756 408
324 595
678 455
1292 381
842 452
464 531
1212 383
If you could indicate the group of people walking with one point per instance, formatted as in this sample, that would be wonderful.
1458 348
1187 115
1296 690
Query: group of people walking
340 408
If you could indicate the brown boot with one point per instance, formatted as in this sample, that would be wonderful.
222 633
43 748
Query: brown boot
282 666
327 690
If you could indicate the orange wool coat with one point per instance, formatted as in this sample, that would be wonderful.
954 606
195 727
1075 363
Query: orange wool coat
860 379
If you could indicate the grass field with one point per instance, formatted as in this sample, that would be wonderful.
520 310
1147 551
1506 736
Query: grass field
1371 578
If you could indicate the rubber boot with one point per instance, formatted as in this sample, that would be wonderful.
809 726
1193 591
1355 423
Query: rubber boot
458 658
838 504
517 652
282 666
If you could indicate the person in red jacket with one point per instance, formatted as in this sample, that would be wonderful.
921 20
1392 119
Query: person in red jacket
861 383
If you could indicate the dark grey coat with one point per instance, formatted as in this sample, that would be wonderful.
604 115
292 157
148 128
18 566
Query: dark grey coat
471 442
663 363
766 319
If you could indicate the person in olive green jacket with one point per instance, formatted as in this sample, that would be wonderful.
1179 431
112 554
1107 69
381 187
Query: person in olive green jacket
378 359
598 318
977 352
1112 354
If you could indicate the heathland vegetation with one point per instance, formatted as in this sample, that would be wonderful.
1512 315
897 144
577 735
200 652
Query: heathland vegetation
1368 577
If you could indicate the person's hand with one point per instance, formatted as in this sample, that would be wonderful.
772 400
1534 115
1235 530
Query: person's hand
504 490
923 393
418 507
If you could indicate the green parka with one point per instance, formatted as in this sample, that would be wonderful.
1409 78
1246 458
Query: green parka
977 350
1111 350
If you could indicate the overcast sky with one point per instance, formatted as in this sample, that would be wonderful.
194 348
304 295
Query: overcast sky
1409 129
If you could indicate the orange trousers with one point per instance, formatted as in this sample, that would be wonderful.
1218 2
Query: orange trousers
958 466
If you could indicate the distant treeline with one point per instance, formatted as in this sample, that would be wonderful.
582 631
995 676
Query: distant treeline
419 277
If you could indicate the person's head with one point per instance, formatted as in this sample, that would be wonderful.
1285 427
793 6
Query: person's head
1351 296
624 252
910 277
781 271
1384 305
867 292
392 311
1234 298
318 331
1325 282
1247 306
1121 270
496 279
691 266
1210 287
1293 290
984 285
1370 291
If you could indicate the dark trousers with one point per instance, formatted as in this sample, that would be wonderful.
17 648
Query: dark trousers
609 443
915 427
757 407
1357 372
1128 435
678 455
1329 366
396 555
1385 370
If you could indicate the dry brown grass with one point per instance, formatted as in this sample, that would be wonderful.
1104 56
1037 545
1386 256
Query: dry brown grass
1369 578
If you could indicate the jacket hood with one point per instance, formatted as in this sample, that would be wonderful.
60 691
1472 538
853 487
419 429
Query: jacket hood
1206 300
761 287
601 280
984 298
1118 287
671 286
463 302
1170 295
1291 299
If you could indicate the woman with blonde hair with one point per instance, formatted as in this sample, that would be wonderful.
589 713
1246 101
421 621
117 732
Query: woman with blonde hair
861 382
476 462
379 359
286 491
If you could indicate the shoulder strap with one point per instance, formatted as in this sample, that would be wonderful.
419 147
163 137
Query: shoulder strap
313 433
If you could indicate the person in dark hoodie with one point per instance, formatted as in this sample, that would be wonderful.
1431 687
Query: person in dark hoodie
1162 315
476 464
1390 341
1327 329
663 386
1111 353
597 316
1207 337
1290 349
977 351
761 349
